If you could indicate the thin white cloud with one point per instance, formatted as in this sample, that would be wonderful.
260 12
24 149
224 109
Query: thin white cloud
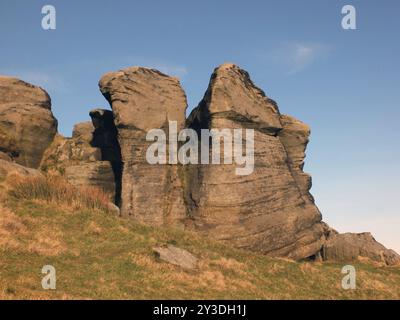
298 56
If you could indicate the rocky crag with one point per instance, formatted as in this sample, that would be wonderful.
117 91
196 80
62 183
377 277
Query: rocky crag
270 211
27 125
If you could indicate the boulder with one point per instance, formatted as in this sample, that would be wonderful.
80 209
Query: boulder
143 99
83 131
64 152
9 171
265 211
328 231
8 168
349 247
176 256
27 125
78 161
114 209
97 174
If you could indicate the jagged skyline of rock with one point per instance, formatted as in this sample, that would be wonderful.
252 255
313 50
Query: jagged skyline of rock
272 213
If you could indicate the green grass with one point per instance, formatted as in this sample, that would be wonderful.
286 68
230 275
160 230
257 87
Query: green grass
99 256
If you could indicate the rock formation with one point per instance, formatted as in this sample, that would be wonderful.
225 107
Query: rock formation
270 210
8 168
80 159
349 247
143 99
294 137
27 125
176 256
104 137
5 156
9 171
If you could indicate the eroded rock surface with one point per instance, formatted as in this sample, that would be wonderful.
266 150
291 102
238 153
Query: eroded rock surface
267 210
5 156
8 168
176 256
97 174
27 125
294 137
143 99
348 247
270 210
79 161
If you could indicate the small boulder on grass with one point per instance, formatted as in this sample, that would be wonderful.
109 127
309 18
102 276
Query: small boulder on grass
114 209
176 256
8 168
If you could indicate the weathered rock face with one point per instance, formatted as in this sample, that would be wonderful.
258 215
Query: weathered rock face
64 152
78 161
144 99
270 210
10 168
176 256
348 247
267 210
27 125
97 174
83 132
5 156
294 137
105 138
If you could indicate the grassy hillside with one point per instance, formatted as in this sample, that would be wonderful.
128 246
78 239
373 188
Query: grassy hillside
99 256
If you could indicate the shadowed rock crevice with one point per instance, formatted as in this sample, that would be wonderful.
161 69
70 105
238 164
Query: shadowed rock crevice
105 138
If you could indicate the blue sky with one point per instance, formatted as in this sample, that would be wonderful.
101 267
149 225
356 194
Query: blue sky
343 83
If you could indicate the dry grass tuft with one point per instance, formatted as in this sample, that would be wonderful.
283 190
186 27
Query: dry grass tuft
57 190
47 242
93 229
11 226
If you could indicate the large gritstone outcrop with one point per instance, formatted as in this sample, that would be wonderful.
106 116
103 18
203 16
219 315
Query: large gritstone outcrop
27 125
143 99
266 208
269 210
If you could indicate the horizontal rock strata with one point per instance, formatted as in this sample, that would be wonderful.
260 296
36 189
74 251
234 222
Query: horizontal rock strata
27 125
143 99
349 247
266 211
